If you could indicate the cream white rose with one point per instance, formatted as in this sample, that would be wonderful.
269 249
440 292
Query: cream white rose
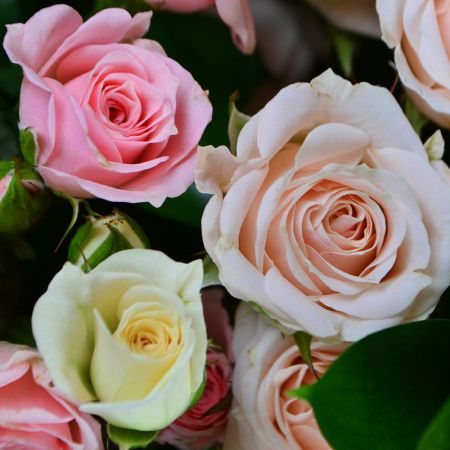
419 31
268 365
128 339
331 217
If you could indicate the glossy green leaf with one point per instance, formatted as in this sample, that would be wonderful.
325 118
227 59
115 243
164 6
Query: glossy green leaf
437 434
130 439
385 390
264 314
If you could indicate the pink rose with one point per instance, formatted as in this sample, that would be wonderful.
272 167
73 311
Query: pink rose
268 365
201 426
235 13
115 117
330 217
32 413
359 16
419 31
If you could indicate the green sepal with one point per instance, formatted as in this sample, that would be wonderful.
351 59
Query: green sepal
263 313
75 204
303 341
6 167
78 241
28 145
236 122
198 393
210 273
135 227
130 439
114 243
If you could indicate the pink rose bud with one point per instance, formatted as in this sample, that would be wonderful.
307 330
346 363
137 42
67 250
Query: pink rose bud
23 198
235 13
204 424
33 415
114 116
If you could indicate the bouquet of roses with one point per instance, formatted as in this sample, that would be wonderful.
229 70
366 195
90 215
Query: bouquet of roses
179 272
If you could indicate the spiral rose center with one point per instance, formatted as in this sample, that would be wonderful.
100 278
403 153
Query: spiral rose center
292 417
152 331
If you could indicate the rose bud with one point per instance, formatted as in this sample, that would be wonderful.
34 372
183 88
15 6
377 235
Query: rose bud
100 237
23 198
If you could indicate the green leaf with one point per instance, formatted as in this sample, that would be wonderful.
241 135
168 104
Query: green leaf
130 439
303 341
384 391
414 115
437 434
28 145
210 273
236 122
75 204
345 45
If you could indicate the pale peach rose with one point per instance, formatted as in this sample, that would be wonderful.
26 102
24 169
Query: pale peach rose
268 365
330 217
235 13
353 15
419 31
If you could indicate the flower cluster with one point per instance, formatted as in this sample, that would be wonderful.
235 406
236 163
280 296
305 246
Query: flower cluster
325 218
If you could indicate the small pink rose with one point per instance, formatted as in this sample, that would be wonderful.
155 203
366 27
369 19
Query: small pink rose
204 425
235 13
33 415
268 365
115 118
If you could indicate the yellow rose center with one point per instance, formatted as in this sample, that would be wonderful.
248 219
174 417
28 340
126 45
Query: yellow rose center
152 332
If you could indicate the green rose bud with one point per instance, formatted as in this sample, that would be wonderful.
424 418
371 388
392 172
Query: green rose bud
23 198
100 237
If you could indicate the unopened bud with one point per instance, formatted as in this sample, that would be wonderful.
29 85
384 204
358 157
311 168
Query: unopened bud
100 237
23 198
